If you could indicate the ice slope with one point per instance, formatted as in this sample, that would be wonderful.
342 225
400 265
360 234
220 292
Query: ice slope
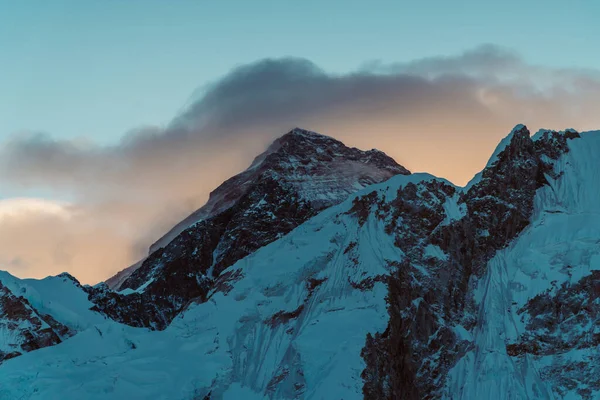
289 321
40 313
60 296
560 246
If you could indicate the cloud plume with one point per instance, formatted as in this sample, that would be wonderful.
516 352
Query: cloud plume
443 115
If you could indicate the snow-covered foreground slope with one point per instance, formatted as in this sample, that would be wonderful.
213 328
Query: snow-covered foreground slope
516 356
288 321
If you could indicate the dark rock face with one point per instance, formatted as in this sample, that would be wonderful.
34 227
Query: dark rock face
420 300
557 321
333 168
560 320
298 176
134 309
429 296
28 329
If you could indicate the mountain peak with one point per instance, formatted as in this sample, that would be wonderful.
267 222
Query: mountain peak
307 160
298 176
519 129
304 133
302 166
304 150
296 143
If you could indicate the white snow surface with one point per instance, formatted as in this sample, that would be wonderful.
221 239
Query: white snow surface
57 296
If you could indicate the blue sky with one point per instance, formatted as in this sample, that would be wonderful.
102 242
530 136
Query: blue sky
96 69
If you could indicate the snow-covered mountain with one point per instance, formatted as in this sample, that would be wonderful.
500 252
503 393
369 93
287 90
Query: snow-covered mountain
40 313
299 175
409 288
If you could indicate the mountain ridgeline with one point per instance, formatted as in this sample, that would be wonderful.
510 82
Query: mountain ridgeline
324 271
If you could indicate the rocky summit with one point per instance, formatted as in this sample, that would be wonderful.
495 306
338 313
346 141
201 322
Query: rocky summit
299 175
327 272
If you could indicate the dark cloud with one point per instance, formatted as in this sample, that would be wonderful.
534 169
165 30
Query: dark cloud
288 92
441 114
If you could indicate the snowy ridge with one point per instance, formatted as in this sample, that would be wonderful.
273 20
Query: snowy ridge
455 344
40 313
60 296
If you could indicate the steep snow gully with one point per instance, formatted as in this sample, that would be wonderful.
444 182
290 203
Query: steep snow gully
408 288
